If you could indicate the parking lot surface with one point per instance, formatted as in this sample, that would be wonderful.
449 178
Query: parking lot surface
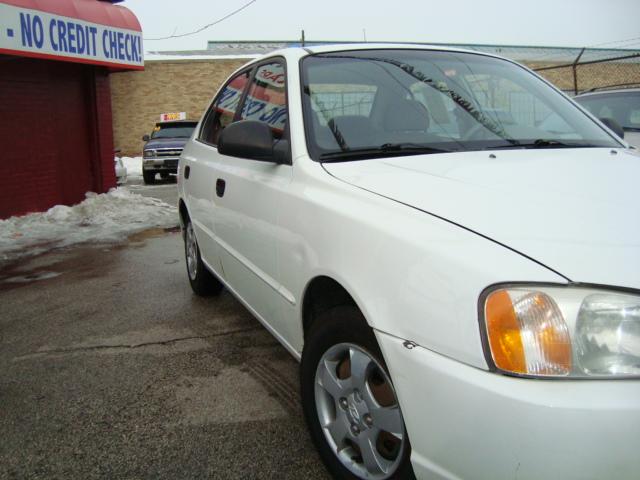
110 367
165 190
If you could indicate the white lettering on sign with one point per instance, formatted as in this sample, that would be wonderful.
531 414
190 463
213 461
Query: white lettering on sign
46 35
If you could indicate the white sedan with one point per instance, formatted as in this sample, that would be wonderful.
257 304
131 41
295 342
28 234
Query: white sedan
121 171
459 278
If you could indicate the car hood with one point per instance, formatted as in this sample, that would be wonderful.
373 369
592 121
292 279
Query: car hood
576 211
166 143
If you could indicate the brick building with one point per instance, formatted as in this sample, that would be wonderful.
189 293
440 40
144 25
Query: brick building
173 85
56 57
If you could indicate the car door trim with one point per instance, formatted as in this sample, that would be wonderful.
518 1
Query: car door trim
296 354
271 282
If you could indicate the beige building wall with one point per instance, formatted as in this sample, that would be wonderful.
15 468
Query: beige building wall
139 97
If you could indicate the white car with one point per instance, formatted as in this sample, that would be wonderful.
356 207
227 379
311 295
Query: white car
461 285
121 171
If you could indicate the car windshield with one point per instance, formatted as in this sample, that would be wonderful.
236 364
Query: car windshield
623 107
173 131
371 103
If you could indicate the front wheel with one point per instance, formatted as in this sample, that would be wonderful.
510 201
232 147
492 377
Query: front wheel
149 177
349 401
203 283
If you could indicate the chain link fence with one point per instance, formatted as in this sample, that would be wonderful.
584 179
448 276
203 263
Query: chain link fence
575 70
592 70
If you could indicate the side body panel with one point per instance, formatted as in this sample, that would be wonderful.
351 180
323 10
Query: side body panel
469 423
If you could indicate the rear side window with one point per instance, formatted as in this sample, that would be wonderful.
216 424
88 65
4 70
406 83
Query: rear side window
223 109
267 100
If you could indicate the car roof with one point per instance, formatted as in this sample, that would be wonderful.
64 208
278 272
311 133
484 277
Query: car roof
339 47
306 50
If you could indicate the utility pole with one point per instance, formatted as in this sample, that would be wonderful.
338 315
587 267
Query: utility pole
303 37
364 34
574 67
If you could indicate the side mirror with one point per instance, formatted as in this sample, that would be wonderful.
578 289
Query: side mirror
614 126
145 138
248 139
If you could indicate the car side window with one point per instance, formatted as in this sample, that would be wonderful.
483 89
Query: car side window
222 110
266 100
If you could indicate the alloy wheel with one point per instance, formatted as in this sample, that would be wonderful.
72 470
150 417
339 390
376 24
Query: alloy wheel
191 251
358 411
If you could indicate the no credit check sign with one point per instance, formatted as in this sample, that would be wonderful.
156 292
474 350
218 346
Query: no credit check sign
40 34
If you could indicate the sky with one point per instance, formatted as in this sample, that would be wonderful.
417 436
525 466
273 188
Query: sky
569 23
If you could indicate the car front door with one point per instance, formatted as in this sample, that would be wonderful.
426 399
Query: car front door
248 196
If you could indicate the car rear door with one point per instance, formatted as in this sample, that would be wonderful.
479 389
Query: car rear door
201 165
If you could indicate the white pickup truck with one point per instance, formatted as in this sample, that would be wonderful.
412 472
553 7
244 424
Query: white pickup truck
449 244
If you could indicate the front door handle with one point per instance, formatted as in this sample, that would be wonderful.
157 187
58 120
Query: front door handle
220 186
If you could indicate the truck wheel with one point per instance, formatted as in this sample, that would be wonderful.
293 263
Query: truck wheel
349 402
149 177
202 281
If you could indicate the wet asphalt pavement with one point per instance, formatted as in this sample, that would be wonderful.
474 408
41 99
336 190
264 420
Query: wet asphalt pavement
165 190
111 368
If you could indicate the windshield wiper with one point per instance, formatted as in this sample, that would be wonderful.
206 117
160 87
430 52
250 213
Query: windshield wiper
384 150
411 147
541 143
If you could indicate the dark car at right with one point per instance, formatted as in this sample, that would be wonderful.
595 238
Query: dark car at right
163 148
622 105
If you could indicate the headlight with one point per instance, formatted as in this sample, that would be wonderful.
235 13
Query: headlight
149 153
562 331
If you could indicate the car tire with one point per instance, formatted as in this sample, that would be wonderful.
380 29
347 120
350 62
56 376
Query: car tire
203 282
149 177
334 409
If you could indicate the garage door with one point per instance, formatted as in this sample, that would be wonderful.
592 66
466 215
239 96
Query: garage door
45 134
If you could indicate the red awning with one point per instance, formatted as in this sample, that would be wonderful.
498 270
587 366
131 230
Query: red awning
94 11
84 31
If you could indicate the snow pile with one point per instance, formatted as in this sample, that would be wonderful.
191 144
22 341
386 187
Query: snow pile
106 217
134 166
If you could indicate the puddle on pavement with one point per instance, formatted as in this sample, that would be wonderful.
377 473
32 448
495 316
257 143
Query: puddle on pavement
81 258
42 266
140 238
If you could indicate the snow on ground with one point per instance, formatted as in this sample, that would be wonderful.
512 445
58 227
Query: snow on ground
103 217
134 166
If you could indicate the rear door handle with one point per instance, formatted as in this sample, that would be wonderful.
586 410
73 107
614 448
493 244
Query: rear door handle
220 186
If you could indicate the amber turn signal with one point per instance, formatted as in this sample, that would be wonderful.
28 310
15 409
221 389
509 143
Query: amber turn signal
527 333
